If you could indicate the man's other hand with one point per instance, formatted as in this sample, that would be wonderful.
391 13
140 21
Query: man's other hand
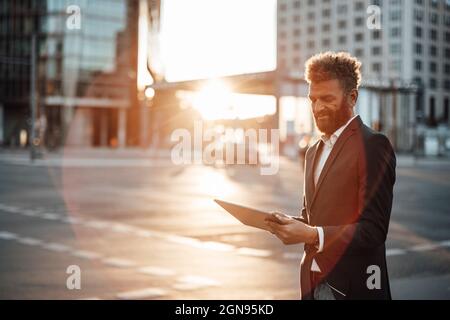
290 230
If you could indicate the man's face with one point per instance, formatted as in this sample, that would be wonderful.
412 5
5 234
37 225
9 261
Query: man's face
330 105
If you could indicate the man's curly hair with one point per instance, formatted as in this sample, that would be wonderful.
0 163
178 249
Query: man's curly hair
334 65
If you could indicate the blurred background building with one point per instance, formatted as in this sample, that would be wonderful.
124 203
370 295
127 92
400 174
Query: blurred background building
405 57
86 62
103 83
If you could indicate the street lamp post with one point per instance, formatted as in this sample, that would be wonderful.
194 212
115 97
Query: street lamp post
33 98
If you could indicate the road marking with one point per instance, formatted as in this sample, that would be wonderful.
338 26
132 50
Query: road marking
50 216
53 246
395 252
425 247
90 255
215 246
191 282
29 241
292 255
97 224
145 233
182 240
445 243
253 252
5 235
30 213
119 263
72 220
156 271
123 228
148 293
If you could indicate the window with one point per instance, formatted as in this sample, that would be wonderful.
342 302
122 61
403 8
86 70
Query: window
297 32
297 18
311 44
342 24
311 30
433 51
433 83
446 109
396 32
447 69
297 4
447 36
296 46
418 15
418 48
395 48
447 21
359 37
326 12
433 67
418 65
359 52
418 32
432 115
342 39
359 21
433 18
396 65
326 27
342 8
433 34
376 34
326 42
311 15
376 67
395 15
376 51
359 6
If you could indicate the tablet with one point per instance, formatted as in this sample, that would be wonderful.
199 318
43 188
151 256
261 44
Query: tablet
248 216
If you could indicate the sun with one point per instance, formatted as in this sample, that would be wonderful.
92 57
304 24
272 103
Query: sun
213 100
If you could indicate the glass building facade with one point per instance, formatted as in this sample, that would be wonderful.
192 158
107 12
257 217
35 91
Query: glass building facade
86 70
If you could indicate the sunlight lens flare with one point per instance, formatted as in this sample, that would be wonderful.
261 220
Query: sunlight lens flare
213 100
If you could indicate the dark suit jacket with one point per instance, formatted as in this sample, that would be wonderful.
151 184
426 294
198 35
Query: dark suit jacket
352 202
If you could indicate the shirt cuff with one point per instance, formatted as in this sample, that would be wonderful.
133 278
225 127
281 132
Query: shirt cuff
320 232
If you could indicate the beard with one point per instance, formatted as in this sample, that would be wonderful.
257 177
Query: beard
328 121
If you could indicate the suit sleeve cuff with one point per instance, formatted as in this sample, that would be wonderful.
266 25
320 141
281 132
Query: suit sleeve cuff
321 238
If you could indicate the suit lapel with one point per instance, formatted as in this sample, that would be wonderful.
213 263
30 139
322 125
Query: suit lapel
309 174
345 135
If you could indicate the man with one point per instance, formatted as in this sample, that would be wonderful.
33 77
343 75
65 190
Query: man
348 192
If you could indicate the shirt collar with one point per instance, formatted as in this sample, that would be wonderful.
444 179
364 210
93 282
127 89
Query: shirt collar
330 141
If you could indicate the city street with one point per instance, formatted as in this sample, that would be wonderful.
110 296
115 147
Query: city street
140 227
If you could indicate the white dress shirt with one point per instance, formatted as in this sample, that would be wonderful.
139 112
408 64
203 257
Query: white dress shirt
328 144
